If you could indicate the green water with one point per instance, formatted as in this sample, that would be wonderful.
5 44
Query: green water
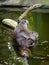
38 22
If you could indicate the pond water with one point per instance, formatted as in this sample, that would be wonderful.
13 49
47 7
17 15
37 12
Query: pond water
38 22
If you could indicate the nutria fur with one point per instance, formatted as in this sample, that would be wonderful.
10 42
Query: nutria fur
23 38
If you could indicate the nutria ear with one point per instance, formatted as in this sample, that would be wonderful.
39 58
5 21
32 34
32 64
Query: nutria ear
25 52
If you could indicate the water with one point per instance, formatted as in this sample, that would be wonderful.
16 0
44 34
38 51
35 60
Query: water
38 22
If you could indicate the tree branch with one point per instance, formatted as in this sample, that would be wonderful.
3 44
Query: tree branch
28 10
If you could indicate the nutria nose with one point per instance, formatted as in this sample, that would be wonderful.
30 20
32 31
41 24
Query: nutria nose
31 43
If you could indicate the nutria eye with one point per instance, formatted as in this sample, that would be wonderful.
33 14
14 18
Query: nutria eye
31 43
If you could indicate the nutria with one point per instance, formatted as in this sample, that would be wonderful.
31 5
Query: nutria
23 38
